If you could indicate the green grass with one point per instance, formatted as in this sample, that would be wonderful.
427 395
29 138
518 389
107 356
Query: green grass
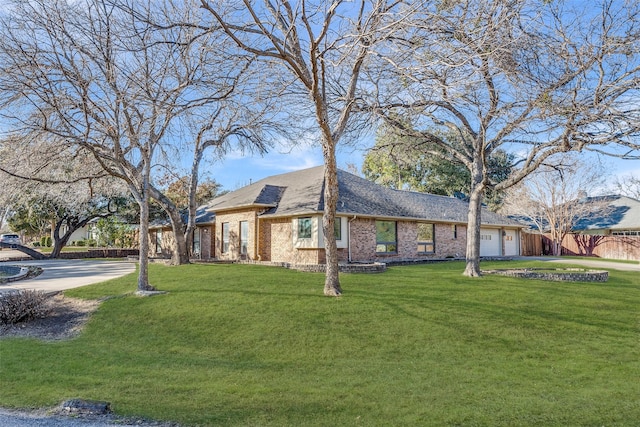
421 345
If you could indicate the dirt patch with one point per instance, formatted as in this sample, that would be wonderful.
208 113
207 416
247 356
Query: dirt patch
66 320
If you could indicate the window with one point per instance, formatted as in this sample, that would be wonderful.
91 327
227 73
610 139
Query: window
625 233
426 242
454 229
386 241
304 228
196 242
337 229
158 241
225 237
244 237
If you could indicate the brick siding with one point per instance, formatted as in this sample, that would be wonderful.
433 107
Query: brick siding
168 240
363 241
233 218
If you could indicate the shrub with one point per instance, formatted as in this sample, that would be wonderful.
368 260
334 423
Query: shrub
81 243
91 243
48 241
21 306
43 241
35 244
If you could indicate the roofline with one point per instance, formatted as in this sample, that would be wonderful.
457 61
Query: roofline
233 208
395 218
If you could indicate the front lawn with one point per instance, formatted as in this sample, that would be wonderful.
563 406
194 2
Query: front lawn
245 345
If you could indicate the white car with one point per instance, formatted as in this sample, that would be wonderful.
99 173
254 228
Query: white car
10 239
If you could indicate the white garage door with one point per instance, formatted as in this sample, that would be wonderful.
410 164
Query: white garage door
490 242
511 243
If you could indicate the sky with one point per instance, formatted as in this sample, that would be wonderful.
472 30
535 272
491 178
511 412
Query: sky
238 170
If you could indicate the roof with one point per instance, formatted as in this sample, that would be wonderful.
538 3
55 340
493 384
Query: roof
203 217
301 192
622 213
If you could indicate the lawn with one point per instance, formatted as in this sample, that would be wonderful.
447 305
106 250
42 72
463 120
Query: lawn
238 345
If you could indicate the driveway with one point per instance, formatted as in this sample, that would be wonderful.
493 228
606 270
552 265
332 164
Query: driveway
586 262
61 274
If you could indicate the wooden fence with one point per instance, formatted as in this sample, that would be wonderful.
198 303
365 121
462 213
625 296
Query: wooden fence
612 247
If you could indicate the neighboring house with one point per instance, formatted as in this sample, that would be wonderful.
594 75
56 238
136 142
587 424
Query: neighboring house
161 236
279 219
620 218
615 233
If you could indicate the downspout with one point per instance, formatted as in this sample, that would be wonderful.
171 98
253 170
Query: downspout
349 235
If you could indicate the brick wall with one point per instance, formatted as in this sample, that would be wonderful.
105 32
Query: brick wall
233 218
168 240
363 241
448 245
165 246
276 241
276 244
206 234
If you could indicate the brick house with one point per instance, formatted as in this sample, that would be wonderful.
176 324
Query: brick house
161 236
279 219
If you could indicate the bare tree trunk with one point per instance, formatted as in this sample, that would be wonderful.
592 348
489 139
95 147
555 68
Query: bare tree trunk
180 253
58 242
143 275
474 218
193 188
332 279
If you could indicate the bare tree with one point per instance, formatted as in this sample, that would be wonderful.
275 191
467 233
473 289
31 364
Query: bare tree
555 198
67 188
629 185
323 48
82 73
528 77
94 77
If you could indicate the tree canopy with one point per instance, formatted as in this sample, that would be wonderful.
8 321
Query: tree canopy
399 162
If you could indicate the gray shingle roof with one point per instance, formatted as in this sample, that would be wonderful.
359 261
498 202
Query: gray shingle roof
203 216
301 192
622 213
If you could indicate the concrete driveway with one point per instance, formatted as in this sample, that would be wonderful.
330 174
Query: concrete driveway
61 274
586 262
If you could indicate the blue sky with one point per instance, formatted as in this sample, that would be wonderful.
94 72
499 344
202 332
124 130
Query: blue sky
238 170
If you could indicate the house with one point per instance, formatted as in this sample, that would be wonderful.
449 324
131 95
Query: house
613 233
279 219
161 236
621 217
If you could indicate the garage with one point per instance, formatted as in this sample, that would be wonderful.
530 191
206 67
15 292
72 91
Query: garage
490 244
511 243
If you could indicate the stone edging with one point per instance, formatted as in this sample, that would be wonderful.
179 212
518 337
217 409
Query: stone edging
376 267
22 273
554 274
